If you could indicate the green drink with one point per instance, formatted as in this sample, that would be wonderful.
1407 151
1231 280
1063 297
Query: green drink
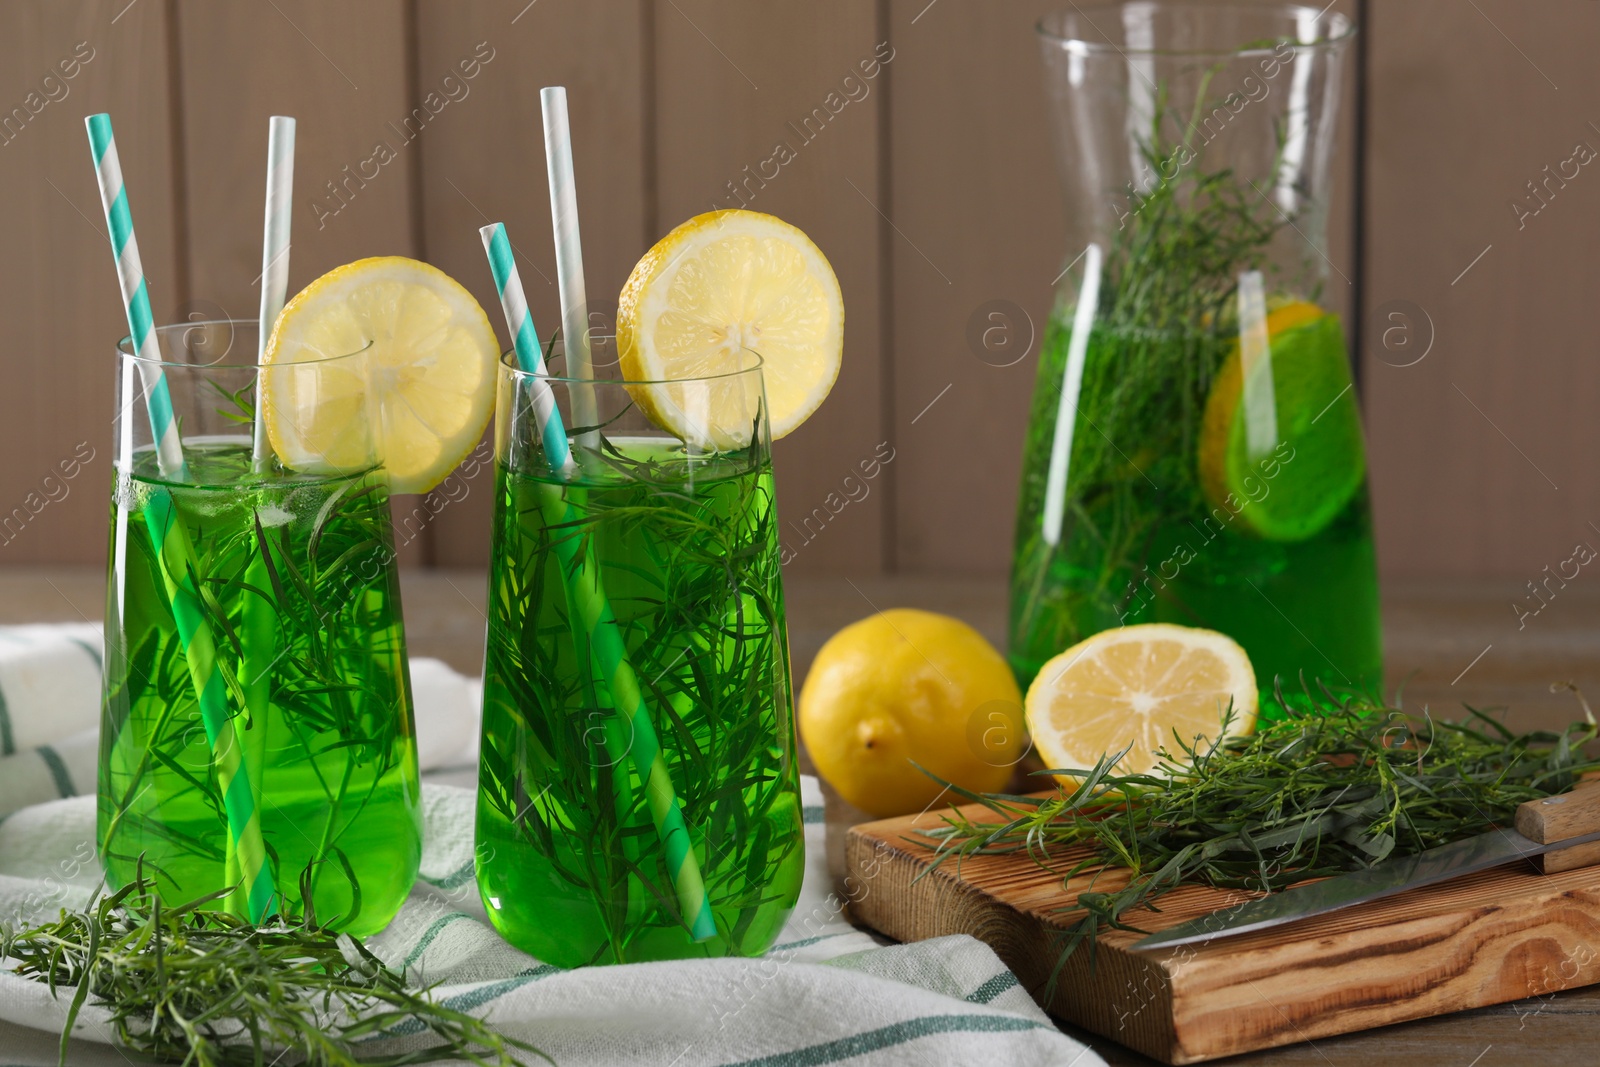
294 574
571 860
1195 453
1170 526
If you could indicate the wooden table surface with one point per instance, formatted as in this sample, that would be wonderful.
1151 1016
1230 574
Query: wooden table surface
1447 643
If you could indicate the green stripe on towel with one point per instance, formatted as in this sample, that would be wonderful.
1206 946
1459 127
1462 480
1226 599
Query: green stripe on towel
8 743
58 770
804 941
986 993
889 1036
477 998
94 653
455 879
429 934
471 999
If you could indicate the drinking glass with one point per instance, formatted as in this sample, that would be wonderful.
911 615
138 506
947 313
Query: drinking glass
672 548
1195 451
267 598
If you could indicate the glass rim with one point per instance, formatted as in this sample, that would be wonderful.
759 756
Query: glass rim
125 349
1342 27
508 362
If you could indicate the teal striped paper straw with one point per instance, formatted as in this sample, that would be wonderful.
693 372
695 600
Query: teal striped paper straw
525 340
245 845
582 574
247 857
135 297
274 254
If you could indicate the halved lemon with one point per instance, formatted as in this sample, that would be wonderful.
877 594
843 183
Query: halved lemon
712 294
1143 688
419 398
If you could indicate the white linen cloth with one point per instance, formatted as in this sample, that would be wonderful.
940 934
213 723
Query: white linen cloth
826 993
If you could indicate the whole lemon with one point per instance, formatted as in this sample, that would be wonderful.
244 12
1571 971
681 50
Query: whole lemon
904 686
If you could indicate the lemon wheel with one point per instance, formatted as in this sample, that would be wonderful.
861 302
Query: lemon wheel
713 294
417 402
1319 463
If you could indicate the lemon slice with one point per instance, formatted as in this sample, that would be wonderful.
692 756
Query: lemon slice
1141 688
1295 491
712 294
418 399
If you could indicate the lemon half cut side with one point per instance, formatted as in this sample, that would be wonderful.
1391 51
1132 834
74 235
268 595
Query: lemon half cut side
1143 688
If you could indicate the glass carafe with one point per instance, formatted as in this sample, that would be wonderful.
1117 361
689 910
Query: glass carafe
1195 452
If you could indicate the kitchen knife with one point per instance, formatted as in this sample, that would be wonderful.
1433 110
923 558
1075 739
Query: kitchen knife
1558 833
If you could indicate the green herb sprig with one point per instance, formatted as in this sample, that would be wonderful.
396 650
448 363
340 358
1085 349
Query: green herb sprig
1337 786
207 989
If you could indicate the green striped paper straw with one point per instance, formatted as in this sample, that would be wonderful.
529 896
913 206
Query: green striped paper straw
167 534
582 575
178 567
525 340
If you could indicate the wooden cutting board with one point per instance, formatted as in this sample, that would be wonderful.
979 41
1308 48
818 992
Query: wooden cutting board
1484 939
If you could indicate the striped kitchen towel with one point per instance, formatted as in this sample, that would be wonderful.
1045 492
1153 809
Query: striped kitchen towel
50 713
827 993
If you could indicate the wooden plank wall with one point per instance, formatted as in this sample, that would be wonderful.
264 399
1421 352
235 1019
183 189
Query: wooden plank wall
58 285
932 190
1485 450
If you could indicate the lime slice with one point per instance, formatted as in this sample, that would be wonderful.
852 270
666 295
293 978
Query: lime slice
1293 491
421 396
721 288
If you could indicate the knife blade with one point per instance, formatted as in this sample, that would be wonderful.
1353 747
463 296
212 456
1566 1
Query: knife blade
1542 826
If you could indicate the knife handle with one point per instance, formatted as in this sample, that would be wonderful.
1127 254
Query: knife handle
1558 818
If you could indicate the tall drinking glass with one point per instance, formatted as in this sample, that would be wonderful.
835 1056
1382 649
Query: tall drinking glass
255 659
1195 450
678 545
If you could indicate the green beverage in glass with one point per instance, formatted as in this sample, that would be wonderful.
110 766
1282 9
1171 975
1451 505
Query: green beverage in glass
1195 452
636 549
292 575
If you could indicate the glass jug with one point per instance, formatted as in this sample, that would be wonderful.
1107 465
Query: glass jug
1194 451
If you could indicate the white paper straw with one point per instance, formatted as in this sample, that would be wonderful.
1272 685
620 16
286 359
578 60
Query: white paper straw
569 259
274 254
